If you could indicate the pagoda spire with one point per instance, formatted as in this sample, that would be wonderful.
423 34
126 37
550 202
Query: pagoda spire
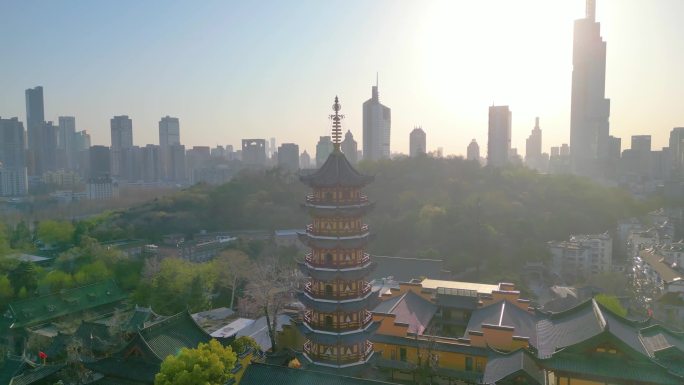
337 125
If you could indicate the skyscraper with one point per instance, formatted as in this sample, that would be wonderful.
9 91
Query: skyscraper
589 109
305 160
288 157
473 151
122 138
254 152
677 148
533 147
417 144
13 172
377 124
641 143
169 135
65 141
324 148
350 148
499 138
35 118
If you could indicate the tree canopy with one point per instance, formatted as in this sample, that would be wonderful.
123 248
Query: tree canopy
208 364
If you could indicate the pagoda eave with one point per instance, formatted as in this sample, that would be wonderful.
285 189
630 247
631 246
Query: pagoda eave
339 211
327 306
323 242
338 338
323 274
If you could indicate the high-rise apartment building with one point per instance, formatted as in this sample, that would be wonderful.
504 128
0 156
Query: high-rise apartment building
324 148
641 143
677 148
288 157
350 148
589 109
151 163
122 138
35 119
499 137
67 155
473 152
13 172
177 171
100 162
377 125
169 135
254 152
417 142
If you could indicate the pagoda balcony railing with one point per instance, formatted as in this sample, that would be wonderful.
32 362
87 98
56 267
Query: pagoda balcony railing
365 258
360 200
339 327
340 296
341 359
311 229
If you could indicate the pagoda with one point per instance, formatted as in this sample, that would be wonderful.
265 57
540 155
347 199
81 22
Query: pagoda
337 322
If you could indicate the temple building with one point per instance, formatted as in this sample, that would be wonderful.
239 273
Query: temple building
337 323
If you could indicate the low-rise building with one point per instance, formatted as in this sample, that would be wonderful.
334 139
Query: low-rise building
582 255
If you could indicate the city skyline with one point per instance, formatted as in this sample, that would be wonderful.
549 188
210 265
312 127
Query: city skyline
430 88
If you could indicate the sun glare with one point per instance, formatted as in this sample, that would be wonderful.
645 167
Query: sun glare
478 52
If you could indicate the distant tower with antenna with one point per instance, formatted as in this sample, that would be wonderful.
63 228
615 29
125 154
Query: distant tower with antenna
377 123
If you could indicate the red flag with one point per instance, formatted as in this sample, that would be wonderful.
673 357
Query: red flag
650 312
42 355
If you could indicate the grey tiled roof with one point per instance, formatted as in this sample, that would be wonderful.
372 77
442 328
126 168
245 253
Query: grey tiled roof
410 309
260 374
499 366
505 313
336 171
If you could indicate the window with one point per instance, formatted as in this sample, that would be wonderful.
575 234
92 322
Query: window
402 354
328 290
469 364
328 321
328 258
328 196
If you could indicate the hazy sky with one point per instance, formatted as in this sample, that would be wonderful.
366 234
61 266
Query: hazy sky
232 70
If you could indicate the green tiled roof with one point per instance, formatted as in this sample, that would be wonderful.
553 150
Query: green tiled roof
260 374
31 376
611 368
33 311
169 336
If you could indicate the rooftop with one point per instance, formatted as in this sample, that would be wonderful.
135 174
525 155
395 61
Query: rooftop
259 374
657 263
336 171
480 288
410 309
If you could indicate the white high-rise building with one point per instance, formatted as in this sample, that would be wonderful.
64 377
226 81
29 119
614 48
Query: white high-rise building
377 123
499 138
169 135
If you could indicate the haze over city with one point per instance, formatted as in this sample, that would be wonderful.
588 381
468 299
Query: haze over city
230 70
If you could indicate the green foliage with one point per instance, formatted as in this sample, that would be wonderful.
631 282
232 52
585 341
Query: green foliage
56 233
57 280
612 303
6 290
209 364
241 344
20 237
4 241
179 285
24 277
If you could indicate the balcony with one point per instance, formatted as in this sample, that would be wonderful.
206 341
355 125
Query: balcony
337 327
340 359
309 258
360 200
340 296
311 229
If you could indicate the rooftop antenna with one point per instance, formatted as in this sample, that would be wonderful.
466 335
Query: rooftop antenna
377 77
337 125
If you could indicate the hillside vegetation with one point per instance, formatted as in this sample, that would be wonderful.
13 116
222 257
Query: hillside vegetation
426 207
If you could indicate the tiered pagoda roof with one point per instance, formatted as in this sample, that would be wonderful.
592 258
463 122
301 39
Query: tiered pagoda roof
336 171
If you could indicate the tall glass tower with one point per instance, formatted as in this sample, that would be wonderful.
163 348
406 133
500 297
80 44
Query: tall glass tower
589 110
